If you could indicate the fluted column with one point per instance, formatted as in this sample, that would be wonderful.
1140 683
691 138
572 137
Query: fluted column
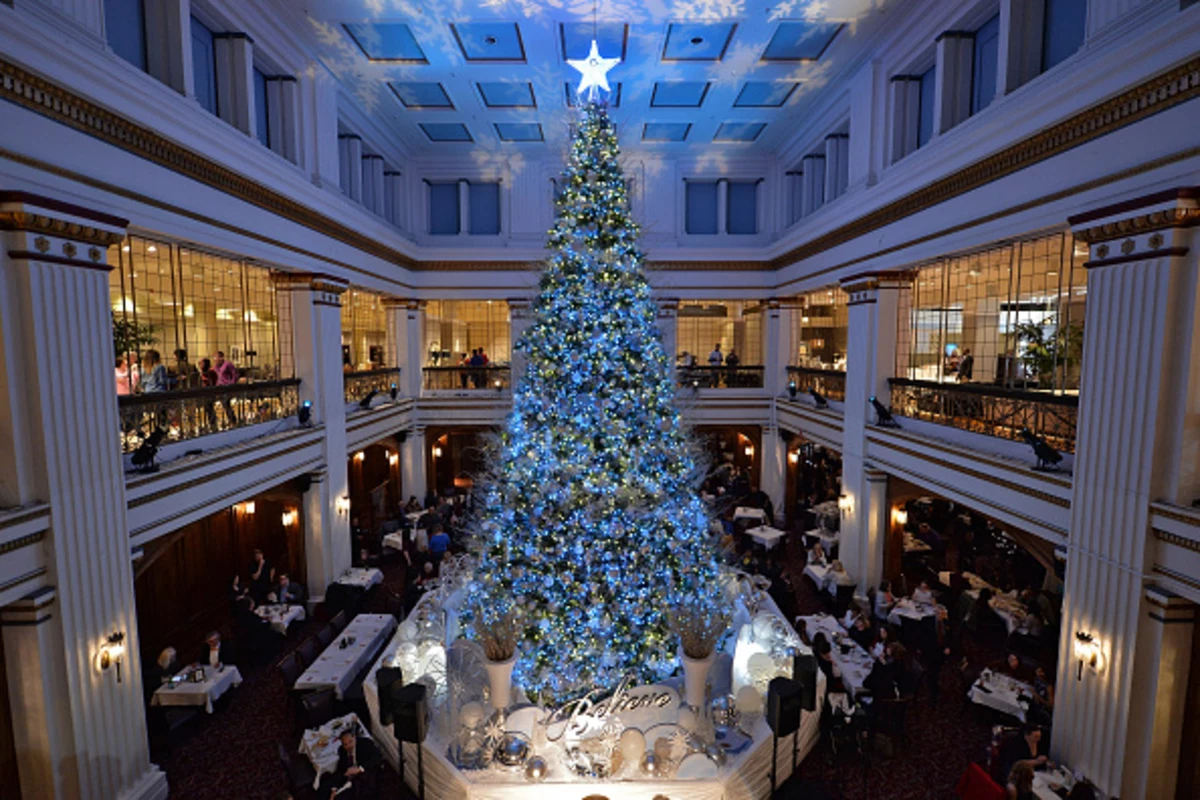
373 183
667 318
870 360
234 55
773 469
88 14
837 165
520 316
952 84
1138 362
812 191
393 196
412 464
55 309
283 116
169 43
317 352
350 166
320 149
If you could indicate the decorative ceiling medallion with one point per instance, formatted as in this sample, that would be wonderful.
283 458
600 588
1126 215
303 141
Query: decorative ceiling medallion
95 254
1127 246
42 244
69 249
1155 241
1102 251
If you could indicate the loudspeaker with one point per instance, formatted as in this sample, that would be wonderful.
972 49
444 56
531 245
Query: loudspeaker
390 681
302 483
402 437
783 706
409 714
804 673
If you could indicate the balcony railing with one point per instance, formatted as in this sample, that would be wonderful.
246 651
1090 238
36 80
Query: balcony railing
739 377
191 413
360 384
991 410
494 378
829 383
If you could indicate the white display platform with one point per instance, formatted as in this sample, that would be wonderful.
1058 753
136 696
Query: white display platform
744 776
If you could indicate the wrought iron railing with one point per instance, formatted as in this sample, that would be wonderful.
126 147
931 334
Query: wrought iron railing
992 410
829 383
739 377
192 413
494 378
360 384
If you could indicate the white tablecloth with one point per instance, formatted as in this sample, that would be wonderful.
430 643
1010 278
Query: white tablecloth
1002 694
745 512
1009 610
320 745
766 535
1042 780
394 540
337 667
280 616
855 664
823 577
187 693
827 509
914 545
905 607
362 578
827 537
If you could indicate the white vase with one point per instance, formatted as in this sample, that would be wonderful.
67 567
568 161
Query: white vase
695 678
500 681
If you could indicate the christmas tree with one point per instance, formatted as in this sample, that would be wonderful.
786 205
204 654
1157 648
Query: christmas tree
592 530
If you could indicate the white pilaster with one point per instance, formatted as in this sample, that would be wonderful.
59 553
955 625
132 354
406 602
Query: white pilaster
520 316
867 144
904 96
234 54
373 189
1020 43
777 339
393 197
1142 284
88 14
169 43
283 116
410 345
773 470
350 166
667 320
952 84
317 337
794 181
812 191
53 275
837 165
413 479
319 147
464 207
722 207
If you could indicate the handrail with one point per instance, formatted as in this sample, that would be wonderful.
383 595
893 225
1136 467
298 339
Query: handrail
358 385
828 373
749 376
147 398
992 390
493 376
829 383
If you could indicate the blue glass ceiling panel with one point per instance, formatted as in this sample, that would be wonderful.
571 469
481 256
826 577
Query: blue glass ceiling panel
576 39
446 132
665 131
697 41
800 40
678 94
422 95
519 131
764 94
739 131
489 41
500 94
386 41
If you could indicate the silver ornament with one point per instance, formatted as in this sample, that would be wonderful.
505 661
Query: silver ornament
513 750
535 769
649 764
716 754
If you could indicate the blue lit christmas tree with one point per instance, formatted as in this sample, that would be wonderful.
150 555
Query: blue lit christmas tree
592 528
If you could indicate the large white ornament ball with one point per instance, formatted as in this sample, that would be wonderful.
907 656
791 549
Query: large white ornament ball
535 769
632 745
749 701
687 719
408 629
760 666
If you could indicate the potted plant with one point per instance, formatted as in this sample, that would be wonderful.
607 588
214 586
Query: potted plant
496 625
699 622
1045 346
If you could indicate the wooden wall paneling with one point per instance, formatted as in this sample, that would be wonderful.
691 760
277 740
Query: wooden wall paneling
8 745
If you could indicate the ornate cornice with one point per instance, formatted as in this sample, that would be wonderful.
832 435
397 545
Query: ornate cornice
1177 540
1157 94
328 285
1142 223
52 226
21 541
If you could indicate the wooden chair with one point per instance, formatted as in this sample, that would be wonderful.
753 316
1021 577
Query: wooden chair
318 708
300 774
325 636
291 667
338 623
307 651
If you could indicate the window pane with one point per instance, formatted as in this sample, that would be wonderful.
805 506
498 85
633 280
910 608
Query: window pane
364 331
456 328
262 118
443 209
701 207
821 325
204 70
484 208
925 120
987 54
125 29
1062 30
741 210
734 324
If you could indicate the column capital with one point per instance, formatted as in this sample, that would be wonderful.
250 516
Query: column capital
667 307
1167 607
32 609
864 287
327 288
57 232
1151 226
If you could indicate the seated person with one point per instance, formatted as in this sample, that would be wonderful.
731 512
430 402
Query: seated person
365 559
1014 667
884 678
824 653
159 672
884 600
1022 748
429 518
929 536
817 555
413 505
254 632
216 652
1082 790
861 632
356 761
882 640
1020 782
853 612
288 593
1043 697
923 594
839 575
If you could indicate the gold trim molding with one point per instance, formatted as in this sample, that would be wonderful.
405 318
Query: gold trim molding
21 541
1177 540
61 228
1142 223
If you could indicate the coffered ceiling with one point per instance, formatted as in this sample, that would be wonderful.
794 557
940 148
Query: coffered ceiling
491 75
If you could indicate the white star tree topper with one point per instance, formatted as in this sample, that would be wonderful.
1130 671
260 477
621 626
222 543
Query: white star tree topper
594 70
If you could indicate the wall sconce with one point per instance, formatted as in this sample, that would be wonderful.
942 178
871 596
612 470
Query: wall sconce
749 451
342 504
498 384
794 457
247 507
845 503
112 651
900 516
1087 651
289 517
359 456
437 451
393 459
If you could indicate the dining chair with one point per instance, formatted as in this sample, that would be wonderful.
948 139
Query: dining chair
325 636
318 708
307 651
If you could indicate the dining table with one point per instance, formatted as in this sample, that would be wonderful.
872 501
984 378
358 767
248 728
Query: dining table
907 607
320 745
198 685
346 656
280 616
765 535
748 512
851 659
1001 693
361 577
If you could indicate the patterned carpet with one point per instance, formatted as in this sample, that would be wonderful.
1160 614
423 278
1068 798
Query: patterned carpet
233 752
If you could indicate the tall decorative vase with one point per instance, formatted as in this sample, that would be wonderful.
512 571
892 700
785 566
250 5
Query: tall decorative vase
695 678
500 681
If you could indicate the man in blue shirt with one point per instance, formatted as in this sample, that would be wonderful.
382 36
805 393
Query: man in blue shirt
439 542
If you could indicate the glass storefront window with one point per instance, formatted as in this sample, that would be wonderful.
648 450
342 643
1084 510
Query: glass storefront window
820 322
188 304
364 331
1008 316
455 327
735 324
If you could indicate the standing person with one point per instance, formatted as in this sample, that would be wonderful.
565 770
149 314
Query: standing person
208 375
260 577
124 376
715 358
227 374
155 373
476 364
464 364
966 366
731 364
186 376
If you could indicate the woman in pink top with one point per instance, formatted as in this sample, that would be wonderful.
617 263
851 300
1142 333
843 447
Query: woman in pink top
226 371
126 378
